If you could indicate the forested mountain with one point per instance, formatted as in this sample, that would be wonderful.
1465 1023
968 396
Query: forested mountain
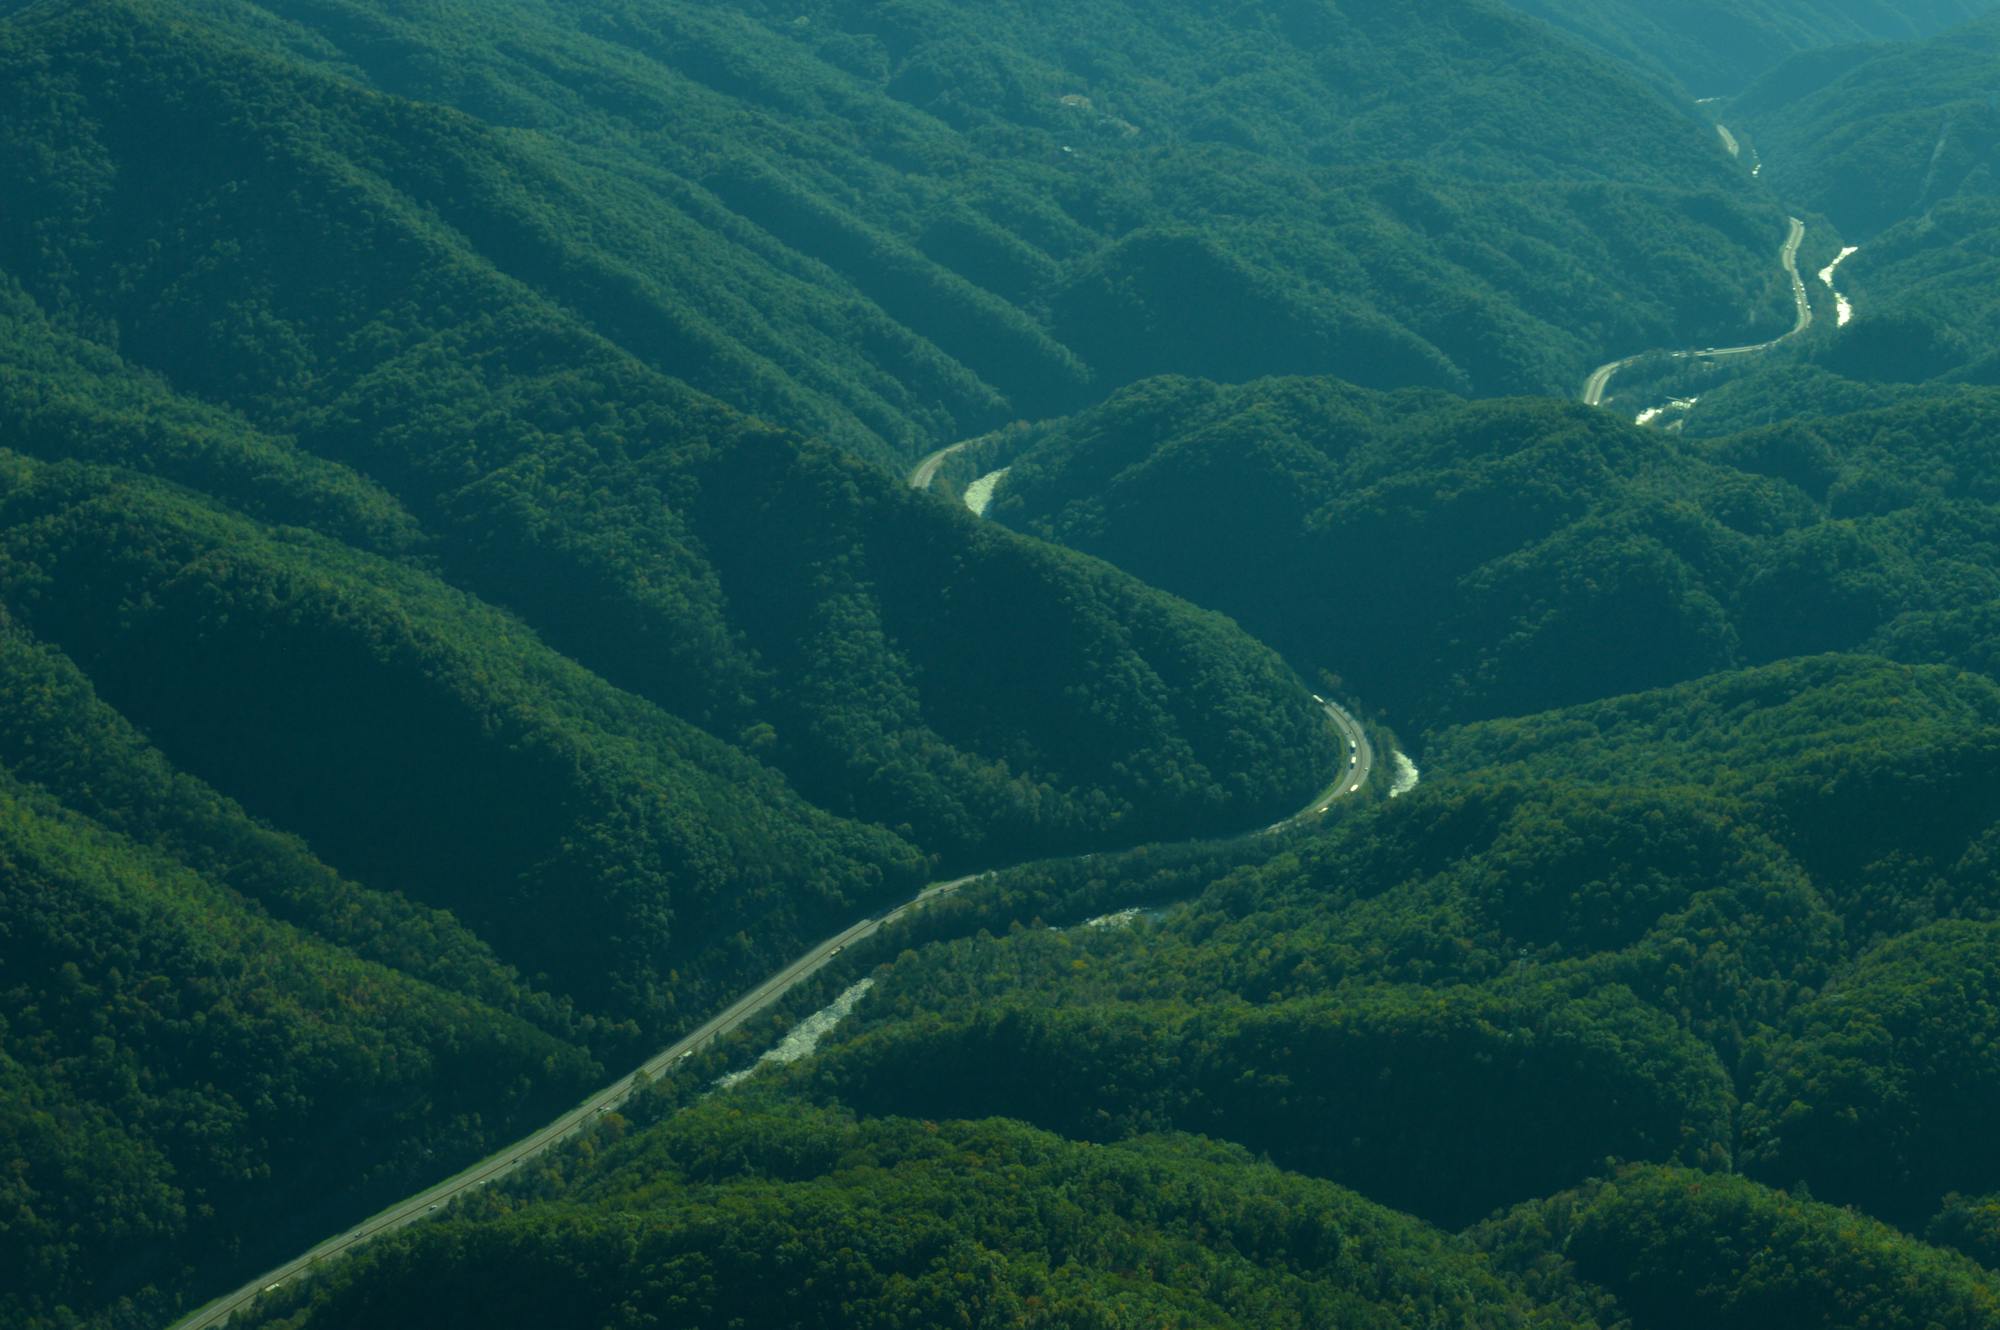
1681 1248
1895 144
1874 135
1452 560
1665 929
791 1215
464 621
747 582
898 225
419 701
1718 47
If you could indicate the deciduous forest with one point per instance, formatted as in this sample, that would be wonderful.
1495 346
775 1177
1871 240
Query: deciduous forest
1413 839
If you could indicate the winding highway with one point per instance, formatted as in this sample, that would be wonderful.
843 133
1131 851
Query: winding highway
1599 381
1358 763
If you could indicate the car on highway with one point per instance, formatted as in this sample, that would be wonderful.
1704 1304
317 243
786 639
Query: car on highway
1352 788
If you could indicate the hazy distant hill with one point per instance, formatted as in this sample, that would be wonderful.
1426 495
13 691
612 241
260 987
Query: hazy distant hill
898 224
1717 47
1896 146
1883 134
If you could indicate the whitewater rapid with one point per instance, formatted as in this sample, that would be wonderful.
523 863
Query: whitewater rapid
803 1038
979 494
1407 774
1843 307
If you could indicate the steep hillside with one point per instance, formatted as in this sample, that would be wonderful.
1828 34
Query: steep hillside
1873 775
495 875
418 701
1870 1092
463 622
1451 560
1884 134
418 739
1546 986
1685 1248
898 225
774 592
883 1224
1897 147
187 1084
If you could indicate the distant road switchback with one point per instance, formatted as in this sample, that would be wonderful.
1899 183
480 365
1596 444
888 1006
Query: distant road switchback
1599 382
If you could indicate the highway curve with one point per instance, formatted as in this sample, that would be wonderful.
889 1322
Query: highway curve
1360 752
1359 760
1360 765
1599 381
924 472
